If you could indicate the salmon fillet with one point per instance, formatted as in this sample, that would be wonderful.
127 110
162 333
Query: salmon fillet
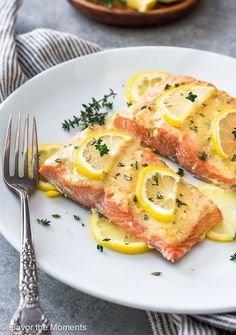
114 197
182 145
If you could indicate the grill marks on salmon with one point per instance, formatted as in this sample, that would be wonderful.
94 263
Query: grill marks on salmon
183 144
114 198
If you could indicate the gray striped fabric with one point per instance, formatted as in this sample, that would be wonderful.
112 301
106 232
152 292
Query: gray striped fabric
22 57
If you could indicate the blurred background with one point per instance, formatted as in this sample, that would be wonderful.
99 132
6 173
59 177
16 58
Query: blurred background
210 26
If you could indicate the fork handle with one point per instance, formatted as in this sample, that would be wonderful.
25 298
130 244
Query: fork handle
29 286
29 313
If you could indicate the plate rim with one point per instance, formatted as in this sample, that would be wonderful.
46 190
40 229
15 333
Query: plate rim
46 267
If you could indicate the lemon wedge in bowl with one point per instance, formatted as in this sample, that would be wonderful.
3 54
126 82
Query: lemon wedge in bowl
96 153
111 236
224 133
141 5
137 85
176 104
156 192
226 201
45 151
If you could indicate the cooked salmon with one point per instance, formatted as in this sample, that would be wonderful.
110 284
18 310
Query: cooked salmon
114 197
144 121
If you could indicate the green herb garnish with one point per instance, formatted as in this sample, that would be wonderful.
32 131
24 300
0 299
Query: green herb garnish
233 257
180 203
202 155
192 97
233 159
106 239
120 164
194 128
128 178
94 112
156 273
44 222
56 216
135 198
180 172
146 217
155 178
76 217
234 132
100 247
134 165
159 196
102 148
167 87
58 160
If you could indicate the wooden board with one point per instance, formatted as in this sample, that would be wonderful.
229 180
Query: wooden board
128 17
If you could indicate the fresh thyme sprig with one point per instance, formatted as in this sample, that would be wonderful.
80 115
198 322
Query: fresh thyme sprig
94 112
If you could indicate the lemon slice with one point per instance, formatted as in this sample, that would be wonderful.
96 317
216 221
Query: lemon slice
45 151
156 192
111 236
224 133
141 5
176 104
226 201
96 153
137 86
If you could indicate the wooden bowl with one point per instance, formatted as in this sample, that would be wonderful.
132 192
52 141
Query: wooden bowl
128 17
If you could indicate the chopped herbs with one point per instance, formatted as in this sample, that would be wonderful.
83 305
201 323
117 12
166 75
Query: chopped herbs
233 257
120 164
56 216
58 160
157 274
135 198
234 132
129 104
102 148
134 165
194 128
116 175
100 247
128 178
44 222
155 178
180 203
76 217
180 172
150 199
145 164
94 112
88 158
146 217
233 159
202 155
106 239
202 114
159 196
167 87
192 97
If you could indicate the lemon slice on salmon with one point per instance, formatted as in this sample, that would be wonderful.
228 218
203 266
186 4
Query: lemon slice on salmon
176 104
225 231
224 134
111 236
96 153
45 151
137 86
156 192
141 5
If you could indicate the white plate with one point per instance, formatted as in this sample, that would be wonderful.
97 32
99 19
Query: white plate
204 280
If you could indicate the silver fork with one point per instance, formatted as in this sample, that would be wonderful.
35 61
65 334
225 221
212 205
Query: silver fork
29 317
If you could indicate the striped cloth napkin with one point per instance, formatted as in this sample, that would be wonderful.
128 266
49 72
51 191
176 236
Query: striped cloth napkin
24 56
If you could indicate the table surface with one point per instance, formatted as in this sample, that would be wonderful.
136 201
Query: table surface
211 26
